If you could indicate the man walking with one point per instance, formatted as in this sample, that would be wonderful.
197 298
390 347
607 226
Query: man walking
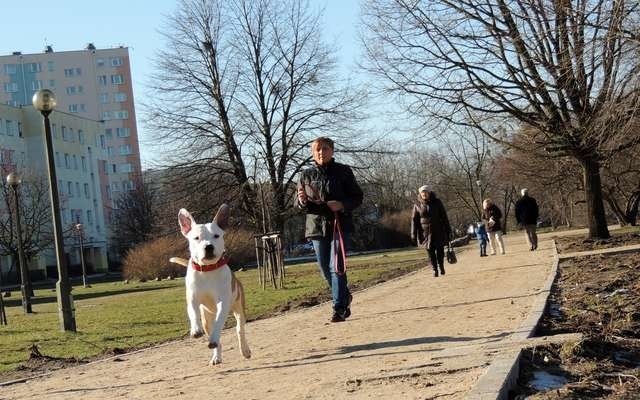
328 193
527 217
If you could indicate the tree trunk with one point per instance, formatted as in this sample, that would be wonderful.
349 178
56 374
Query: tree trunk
593 197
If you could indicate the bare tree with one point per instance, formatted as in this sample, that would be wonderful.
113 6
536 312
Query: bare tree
568 69
35 216
622 186
241 89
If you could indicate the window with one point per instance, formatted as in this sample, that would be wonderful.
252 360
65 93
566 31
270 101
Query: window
11 87
67 161
70 189
83 108
100 62
80 136
54 130
78 71
9 69
125 149
108 133
119 97
89 217
60 187
12 128
69 72
117 79
2 131
33 67
110 151
102 142
63 129
106 115
104 98
113 168
80 89
71 90
108 191
58 162
126 168
52 83
78 189
83 161
123 132
75 162
20 129
73 108
116 61
121 114
71 137
115 187
50 66
65 220
86 190
102 80
36 85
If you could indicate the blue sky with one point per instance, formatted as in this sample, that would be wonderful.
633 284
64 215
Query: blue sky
71 24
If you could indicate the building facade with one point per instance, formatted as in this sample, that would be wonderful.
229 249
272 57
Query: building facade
76 142
90 83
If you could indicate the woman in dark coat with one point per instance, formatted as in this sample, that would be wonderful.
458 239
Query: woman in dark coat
430 227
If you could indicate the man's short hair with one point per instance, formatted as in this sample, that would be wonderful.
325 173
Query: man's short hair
524 191
322 140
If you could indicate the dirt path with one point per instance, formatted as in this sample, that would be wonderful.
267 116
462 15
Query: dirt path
417 337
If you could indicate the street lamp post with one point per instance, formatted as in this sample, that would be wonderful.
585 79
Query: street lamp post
84 270
45 101
14 181
479 183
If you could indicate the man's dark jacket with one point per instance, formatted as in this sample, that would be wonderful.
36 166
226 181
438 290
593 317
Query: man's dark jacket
527 210
493 213
430 224
333 181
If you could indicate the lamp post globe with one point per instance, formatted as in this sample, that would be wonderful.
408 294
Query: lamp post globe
44 100
14 179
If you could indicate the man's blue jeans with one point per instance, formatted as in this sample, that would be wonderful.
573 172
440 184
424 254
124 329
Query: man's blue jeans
325 255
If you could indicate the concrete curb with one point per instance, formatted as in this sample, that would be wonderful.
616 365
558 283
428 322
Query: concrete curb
634 248
503 372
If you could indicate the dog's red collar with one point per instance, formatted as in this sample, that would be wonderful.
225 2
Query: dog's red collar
210 267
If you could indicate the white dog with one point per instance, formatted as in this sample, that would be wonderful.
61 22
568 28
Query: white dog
212 289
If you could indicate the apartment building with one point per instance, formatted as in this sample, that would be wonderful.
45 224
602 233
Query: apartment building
76 142
91 83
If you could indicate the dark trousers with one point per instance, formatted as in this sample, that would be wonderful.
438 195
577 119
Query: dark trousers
436 256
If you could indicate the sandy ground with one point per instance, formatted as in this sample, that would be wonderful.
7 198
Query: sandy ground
417 337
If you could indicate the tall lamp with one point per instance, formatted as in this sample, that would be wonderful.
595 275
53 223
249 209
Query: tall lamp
45 101
14 180
79 229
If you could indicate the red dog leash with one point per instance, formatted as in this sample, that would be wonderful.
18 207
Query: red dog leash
340 254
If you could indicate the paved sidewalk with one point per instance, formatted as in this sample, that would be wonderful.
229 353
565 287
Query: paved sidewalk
417 337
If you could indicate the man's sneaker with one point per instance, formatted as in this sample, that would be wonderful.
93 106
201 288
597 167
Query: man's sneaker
337 317
347 312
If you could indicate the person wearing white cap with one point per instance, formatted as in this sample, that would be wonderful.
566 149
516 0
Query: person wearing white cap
527 217
430 227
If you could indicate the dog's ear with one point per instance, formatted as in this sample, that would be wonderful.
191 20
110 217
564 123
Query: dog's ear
186 221
222 216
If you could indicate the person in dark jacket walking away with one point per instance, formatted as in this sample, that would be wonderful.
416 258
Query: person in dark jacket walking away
430 227
527 217
481 235
328 193
492 217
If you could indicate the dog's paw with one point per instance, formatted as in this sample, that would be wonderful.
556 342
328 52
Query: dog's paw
196 334
246 353
216 358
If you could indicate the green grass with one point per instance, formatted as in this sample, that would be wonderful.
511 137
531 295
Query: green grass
115 315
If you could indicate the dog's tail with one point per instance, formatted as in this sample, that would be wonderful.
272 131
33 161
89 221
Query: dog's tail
180 261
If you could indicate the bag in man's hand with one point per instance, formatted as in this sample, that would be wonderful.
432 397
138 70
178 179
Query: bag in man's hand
451 255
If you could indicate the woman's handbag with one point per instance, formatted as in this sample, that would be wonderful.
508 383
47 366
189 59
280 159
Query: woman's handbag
451 255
